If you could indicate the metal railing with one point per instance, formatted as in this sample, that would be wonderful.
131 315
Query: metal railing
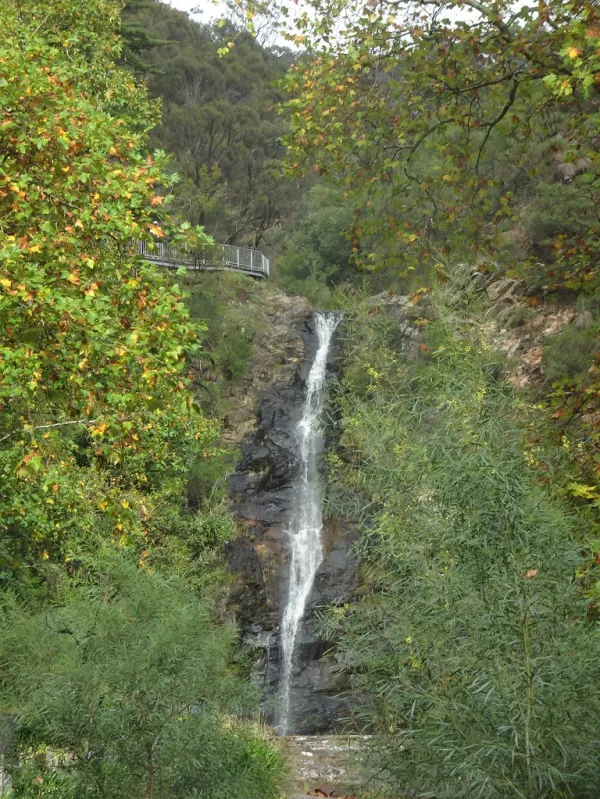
219 257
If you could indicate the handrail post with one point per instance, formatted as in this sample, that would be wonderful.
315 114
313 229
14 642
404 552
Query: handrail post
248 260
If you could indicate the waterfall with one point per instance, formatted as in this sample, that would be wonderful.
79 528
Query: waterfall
307 519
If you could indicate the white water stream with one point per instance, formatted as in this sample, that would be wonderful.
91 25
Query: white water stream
307 519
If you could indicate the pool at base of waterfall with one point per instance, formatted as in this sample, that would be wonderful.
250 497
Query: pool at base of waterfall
332 764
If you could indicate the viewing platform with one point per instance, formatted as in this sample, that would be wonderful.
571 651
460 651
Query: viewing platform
220 257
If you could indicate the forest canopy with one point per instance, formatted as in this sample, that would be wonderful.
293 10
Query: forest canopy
398 161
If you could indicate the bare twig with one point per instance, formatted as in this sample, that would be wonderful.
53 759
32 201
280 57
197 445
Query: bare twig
47 426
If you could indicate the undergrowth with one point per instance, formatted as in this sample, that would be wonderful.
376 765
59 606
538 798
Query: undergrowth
471 646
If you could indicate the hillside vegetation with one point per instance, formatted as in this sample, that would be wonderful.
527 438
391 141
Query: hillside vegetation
115 662
443 155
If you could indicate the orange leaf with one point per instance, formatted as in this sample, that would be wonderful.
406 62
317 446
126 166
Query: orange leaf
156 200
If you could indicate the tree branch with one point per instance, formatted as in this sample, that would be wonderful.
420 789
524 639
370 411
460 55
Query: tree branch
491 125
491 15
46 426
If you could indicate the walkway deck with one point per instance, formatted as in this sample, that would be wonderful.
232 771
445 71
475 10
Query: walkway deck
221 257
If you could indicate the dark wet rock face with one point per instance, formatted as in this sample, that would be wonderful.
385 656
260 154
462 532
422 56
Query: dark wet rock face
262 491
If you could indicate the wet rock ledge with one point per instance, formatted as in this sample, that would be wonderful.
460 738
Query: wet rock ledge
262 425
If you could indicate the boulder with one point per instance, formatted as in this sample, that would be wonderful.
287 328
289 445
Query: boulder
504 290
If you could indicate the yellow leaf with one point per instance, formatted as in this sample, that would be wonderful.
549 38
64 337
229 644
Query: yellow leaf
573 52
583 491
74 278
4 281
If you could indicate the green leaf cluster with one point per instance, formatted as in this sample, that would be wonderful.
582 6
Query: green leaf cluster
95 411
121 686
471 645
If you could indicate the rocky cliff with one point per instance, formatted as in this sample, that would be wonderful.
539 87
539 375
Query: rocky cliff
265 408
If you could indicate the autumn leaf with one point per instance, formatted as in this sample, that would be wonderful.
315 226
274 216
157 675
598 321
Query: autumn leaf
573 52
99 430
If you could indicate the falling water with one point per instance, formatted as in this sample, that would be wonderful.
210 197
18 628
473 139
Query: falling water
307 520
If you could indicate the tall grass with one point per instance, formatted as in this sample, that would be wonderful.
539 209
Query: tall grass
471 654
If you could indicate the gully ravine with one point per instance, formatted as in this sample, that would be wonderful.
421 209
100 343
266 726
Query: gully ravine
306 526
288 559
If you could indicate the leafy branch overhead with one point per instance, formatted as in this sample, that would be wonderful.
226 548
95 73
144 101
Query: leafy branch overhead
429 108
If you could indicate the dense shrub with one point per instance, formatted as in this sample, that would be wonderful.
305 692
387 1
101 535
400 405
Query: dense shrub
317 250
124 680
570 352
470 646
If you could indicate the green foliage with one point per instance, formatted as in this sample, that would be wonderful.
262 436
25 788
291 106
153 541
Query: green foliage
561 233
519 316
113 670
139 701
570 353
558 209
222 300
439 118
470 646
317 250
136 38
219 123
96 417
